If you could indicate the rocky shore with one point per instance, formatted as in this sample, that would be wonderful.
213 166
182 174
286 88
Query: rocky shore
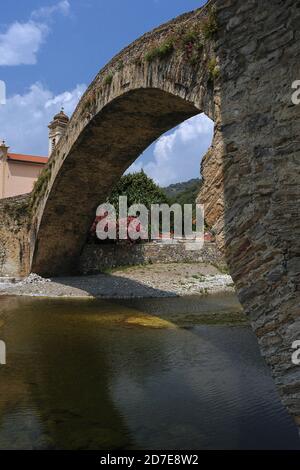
160 280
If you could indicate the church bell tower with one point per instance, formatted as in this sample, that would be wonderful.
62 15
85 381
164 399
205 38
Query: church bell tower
57 128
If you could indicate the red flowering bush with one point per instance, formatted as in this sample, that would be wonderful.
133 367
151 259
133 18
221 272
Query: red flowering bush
133 227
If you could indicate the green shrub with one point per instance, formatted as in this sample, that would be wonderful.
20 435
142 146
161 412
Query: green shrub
108 79
213 69
210 24
160 52
139 189
190 37
190 43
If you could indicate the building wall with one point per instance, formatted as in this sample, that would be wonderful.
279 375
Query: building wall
18 178
2 165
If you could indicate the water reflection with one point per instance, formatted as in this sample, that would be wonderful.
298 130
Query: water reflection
98 375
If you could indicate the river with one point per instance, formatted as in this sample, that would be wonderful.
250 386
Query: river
181 373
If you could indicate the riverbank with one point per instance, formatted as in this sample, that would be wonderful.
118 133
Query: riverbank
149 281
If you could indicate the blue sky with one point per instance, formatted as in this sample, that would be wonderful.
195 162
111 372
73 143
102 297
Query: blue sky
50 50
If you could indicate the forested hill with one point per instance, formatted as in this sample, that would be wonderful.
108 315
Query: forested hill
183 193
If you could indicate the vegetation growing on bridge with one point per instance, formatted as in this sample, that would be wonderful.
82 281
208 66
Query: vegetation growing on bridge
160 52
189 43
108 78
213 69
40 186
210 24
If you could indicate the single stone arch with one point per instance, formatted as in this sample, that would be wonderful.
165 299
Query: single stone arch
131 103
242 79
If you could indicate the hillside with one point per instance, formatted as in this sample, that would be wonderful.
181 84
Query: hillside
183 193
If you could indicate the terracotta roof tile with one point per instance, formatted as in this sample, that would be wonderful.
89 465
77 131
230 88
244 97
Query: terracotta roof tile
19 157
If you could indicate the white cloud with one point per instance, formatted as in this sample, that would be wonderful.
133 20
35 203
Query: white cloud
176 156
20 43
62 7
24 119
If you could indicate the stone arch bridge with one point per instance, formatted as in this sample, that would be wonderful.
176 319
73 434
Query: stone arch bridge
236 61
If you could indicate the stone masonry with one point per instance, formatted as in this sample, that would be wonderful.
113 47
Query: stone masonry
99 257
14 243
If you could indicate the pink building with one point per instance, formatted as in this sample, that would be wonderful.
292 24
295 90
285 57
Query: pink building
18 172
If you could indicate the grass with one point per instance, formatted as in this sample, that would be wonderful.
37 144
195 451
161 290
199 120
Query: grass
160 52
192 45
210 24
108 79
190 42
123 268
190 37
40 186
213 69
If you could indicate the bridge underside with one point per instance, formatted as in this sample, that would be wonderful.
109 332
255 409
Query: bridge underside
114 139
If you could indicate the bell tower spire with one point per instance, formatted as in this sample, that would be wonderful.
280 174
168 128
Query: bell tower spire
57 129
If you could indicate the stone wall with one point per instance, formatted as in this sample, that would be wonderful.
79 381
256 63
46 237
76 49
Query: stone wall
96 258
14 246
212 190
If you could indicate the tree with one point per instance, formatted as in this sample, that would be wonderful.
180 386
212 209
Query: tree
139 189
